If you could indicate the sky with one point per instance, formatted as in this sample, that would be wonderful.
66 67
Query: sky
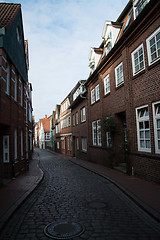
60 34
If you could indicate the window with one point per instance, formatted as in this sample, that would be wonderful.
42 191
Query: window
119 74
153 47
99 140
84 144
156 119
15 144
97 92
69 121
8 79
106 85
47 136
77 143
138 60
92 96
21 143
128 19
77 118
73 120
21 94
143 129
83 114
5 149
15 88
57 145
68 143
94 136
139 6
108 139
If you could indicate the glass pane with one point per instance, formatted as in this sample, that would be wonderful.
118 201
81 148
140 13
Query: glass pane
141 113
141 125
153 48
137 68
142 134
148 144
158 36
153 56
136 55
146 124
146 112
141 58
152 41
158 144
147 134
158 123
158 134
158 44
141 64
136 61
6 156
142 144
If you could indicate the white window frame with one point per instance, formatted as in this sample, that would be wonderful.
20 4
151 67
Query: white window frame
76 118
99 134
21 143
73 119
156 119
135 7
15 144
93 98
6 149
94 133
77 143
108 139
15 87
153 35
97 92
144 130
106 85
57 145
119 75
138 60
84 144
8 78
83 114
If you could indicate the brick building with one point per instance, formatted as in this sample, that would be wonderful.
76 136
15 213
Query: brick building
79 112
65 126
124 93
13 91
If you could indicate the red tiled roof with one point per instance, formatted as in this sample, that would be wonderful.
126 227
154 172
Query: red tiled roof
46 124
8 12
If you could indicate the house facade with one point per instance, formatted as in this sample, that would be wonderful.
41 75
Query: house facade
124 93
79 116
65 126
13 92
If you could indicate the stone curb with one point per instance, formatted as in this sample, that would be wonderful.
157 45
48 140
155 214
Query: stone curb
150 211
19 202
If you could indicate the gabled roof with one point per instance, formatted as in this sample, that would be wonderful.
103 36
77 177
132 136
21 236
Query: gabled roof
8 12
46 124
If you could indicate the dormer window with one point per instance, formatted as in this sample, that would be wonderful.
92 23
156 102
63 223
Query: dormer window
128 19
139 6
18 35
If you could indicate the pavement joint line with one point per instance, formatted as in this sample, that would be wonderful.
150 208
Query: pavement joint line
5 218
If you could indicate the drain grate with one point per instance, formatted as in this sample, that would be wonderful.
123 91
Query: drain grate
63 230
97 205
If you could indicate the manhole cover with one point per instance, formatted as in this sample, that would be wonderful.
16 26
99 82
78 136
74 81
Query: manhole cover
97 205
63 230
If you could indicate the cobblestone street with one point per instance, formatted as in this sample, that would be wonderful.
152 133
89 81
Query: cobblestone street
71 193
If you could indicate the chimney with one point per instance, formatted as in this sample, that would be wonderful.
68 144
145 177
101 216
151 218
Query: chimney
45 116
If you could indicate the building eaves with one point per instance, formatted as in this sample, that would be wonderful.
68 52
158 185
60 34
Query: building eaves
8 12
122 41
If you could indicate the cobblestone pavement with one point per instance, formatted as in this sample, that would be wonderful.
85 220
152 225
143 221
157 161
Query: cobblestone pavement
72 193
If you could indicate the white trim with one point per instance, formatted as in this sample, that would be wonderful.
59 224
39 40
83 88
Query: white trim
106 84
138 120
155 118
116 75
94 133
138 59
150 62
97 92
84 144
93 97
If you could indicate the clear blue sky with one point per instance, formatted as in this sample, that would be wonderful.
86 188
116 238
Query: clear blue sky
60 34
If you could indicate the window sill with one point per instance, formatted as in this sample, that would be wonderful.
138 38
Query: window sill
107 94
154 64
138 74
119 86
